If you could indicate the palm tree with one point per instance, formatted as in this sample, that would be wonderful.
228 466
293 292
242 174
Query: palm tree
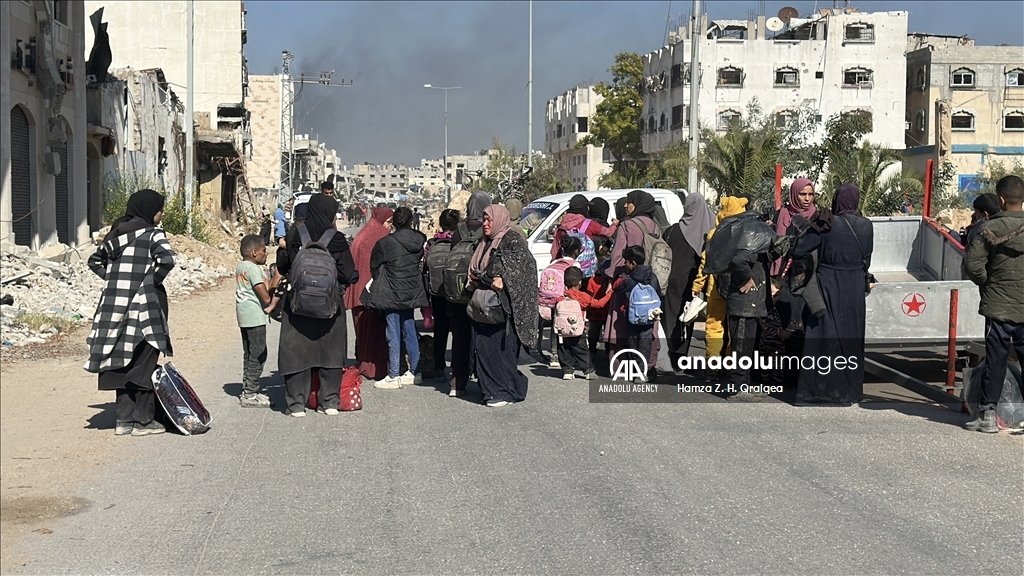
884 187
630 177
741 161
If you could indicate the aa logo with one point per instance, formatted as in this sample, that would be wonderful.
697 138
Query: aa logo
631 367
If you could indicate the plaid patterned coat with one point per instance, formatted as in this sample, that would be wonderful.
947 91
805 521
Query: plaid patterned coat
129 312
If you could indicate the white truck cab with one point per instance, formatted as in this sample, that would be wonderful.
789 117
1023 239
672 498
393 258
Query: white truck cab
541 217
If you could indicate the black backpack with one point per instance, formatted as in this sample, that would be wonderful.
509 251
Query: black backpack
456 268
437 258
314 277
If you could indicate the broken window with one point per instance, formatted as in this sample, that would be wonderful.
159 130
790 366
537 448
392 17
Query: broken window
922 78
857 77
60 11
1013 121
1015 77
785 120
962 121
581 124
962 78
787 77
662 125
730 76
727 117
860 32
677 116
920 121
558 131
650 125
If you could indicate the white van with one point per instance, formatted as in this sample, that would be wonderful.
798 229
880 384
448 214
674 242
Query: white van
542 216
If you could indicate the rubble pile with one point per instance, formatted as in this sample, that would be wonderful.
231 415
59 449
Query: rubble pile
35 289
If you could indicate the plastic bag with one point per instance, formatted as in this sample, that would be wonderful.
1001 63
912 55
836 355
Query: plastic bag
744 231
351 390
180 401
1010 410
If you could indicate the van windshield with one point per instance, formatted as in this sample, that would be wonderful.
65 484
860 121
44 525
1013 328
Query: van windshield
535 214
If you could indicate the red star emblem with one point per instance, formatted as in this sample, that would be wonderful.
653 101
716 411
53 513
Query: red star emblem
914 304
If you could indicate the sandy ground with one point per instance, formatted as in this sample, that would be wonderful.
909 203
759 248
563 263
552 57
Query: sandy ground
57 428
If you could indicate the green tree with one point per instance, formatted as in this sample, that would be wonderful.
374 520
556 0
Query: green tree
615 122
670 167
631 176
548 176
741 162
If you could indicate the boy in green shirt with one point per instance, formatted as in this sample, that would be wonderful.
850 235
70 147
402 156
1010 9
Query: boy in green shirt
251 297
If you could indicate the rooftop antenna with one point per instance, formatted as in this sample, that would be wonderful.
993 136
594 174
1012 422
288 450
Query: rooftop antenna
668 22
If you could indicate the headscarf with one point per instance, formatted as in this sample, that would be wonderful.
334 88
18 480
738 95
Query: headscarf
301 211
362 249
476 204
144 205
696 221
620 209
515 208
500 225
322 211
846 200
643 204
599 210
793 208
579 204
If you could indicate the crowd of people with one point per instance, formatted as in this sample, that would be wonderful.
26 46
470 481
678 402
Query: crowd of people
793 281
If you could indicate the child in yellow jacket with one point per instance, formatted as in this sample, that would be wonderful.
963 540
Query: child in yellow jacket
714 330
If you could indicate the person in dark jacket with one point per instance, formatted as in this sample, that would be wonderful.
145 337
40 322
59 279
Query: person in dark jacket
838 334
747 300
398 290
640 337
308 344
459 323
995 262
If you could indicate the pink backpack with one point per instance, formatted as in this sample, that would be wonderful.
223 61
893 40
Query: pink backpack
569 320
552 281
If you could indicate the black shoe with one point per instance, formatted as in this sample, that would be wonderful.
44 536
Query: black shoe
985 422
153 427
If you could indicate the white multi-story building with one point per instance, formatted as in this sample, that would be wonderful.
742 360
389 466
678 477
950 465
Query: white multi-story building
429 176
836 61
566 123
384 177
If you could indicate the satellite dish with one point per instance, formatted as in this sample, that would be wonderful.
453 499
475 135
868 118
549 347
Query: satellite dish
775 24
787 14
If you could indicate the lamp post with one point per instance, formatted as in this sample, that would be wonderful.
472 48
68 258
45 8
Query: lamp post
447 189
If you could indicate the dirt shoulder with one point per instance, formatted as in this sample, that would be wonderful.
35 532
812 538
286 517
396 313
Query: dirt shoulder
56 428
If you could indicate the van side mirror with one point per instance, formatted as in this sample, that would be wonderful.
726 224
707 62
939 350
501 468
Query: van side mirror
550 236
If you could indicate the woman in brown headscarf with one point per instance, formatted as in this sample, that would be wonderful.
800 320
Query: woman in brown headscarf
371 342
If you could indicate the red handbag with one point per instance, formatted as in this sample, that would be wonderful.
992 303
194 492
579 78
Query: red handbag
351 394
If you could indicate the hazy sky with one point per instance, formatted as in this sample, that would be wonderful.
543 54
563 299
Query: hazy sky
391 49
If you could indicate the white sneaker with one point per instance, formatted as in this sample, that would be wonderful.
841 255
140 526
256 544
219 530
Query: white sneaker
418 379
554 363
299 414
497 404
329 411
407 379
389 383
569 376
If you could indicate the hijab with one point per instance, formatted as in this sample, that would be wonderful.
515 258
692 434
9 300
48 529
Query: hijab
696 221
362 249
500 225
579 204
478 201
322 211
846 200
793 208
515 208
620 209
381 214
599 210
643 204
143 205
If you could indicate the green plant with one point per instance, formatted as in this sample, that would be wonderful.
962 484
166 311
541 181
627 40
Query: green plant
176 222
615 122
118 188
631 176
994 170
740 162
38 320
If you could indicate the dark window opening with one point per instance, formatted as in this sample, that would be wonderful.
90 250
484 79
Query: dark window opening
677 116
1013 121
787 77
857 77
730 76
1015 77
860 32
963 77
581 124
819 75
962 121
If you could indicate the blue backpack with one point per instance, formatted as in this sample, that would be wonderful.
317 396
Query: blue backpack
587 260
643 298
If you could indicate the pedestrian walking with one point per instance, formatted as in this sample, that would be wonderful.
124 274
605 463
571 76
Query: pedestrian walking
129 330
639 288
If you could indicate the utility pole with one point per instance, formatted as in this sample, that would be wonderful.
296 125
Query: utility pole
444 164
529 96
695 37
190 134
288 100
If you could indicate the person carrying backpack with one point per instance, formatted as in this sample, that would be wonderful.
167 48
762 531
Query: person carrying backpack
466 235
309 341
578 222
551 289
434 259
642 305
570 323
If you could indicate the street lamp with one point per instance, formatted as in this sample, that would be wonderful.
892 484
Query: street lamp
448 192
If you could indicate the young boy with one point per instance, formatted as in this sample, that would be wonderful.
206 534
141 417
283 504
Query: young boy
573 351
251 297
640 336
550 293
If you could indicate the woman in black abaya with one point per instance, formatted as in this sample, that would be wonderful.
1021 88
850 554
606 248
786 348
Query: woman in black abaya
687 242
838 335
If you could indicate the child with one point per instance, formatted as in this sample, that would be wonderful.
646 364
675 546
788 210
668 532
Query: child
573 351
251 297
597 288
640 336
552 288
773 335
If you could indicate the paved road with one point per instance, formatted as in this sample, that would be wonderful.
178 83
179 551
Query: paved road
419 482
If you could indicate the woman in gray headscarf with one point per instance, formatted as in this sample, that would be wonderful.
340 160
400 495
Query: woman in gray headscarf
470 230
515 210
686 240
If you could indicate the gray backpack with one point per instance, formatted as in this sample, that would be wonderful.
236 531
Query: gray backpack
658 256
314 277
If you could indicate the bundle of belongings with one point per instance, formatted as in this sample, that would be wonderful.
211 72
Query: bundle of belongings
746 231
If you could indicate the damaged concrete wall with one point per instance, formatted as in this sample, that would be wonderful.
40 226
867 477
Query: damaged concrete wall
153 135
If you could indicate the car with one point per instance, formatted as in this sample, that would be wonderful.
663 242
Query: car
541 217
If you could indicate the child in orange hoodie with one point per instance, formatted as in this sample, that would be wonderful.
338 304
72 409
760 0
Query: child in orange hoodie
574 352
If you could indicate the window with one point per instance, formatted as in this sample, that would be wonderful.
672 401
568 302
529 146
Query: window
820 74
730 76
962 121
1015 77
786 119
787 77
962 78
581 124
677 116
558 131
857 78
726 118
60 11
1013 121
920 121
922 79
662 125
680 74
650 125
860 32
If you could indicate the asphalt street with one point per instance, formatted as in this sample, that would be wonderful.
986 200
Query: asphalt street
418 482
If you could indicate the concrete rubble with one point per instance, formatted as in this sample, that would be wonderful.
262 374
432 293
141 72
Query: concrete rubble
68 290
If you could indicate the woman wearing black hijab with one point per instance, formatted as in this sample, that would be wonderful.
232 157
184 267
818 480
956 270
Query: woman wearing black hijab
308 344
599 210
844 256
578 217
129 330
